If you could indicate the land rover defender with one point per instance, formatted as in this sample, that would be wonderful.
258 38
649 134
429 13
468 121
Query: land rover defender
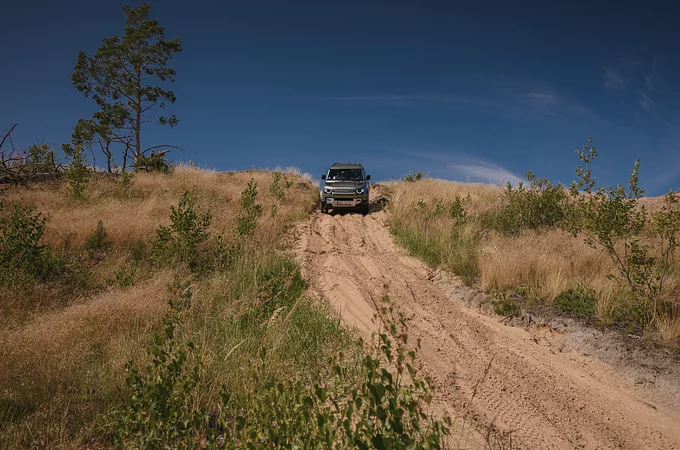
345 186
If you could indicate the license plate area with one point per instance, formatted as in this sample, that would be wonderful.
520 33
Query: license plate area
344 202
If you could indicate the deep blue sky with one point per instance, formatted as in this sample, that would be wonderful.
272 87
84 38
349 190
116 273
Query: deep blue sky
473 91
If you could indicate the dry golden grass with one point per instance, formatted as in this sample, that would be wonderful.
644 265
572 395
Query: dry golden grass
483 198
128 218
74 340
547 262
61 357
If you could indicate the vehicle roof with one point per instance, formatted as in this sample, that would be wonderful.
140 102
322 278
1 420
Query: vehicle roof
347 165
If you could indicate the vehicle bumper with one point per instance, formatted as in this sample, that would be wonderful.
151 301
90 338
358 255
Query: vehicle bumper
340 202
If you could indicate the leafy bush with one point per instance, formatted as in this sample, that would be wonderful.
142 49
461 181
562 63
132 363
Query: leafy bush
439 209
22 256
153 162
41 158
139 251
579 302
159 411
97 240
458 211
179 242
541 204
414 177
382 405
276 188
77 172
612 219
250 210
124 276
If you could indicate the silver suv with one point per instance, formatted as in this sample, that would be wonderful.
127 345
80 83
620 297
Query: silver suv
345 186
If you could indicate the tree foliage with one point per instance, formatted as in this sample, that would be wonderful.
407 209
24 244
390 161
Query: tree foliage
123 77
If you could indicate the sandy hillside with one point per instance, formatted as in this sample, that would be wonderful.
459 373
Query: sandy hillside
542 393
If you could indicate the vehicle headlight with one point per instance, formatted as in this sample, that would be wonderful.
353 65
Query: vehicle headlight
328 190
361 190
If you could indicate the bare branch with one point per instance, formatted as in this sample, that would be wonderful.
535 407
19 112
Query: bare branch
8 135
164 146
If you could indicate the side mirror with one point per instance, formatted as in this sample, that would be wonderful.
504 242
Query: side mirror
368 177
323 177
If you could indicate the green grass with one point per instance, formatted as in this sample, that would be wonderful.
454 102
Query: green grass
578 302
452 249
255 305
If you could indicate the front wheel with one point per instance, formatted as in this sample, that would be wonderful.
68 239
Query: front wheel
323 206
364 209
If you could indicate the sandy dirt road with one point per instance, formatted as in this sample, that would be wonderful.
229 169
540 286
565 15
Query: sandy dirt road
543 397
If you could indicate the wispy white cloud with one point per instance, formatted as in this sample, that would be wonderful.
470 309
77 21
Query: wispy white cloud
645 101
614 79
649 78
545 101
480 171
543 97
412 99
521 101
463 167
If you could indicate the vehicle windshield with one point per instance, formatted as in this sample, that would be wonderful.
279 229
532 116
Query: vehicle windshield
345 174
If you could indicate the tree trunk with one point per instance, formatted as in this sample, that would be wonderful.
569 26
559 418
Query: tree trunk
138 107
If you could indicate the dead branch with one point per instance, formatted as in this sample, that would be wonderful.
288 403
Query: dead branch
7 135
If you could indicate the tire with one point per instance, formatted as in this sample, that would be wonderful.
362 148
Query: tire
364 209
324 209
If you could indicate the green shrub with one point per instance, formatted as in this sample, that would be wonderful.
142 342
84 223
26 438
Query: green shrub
250 210
179 242
378 404
439 209
276 189
458 211
414 177
77 172
642 247
97 240
159 410
22 256
579 302
124 276
153 162
139 252
374 408
539 205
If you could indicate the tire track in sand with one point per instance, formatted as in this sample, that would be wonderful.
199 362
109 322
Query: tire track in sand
546 399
